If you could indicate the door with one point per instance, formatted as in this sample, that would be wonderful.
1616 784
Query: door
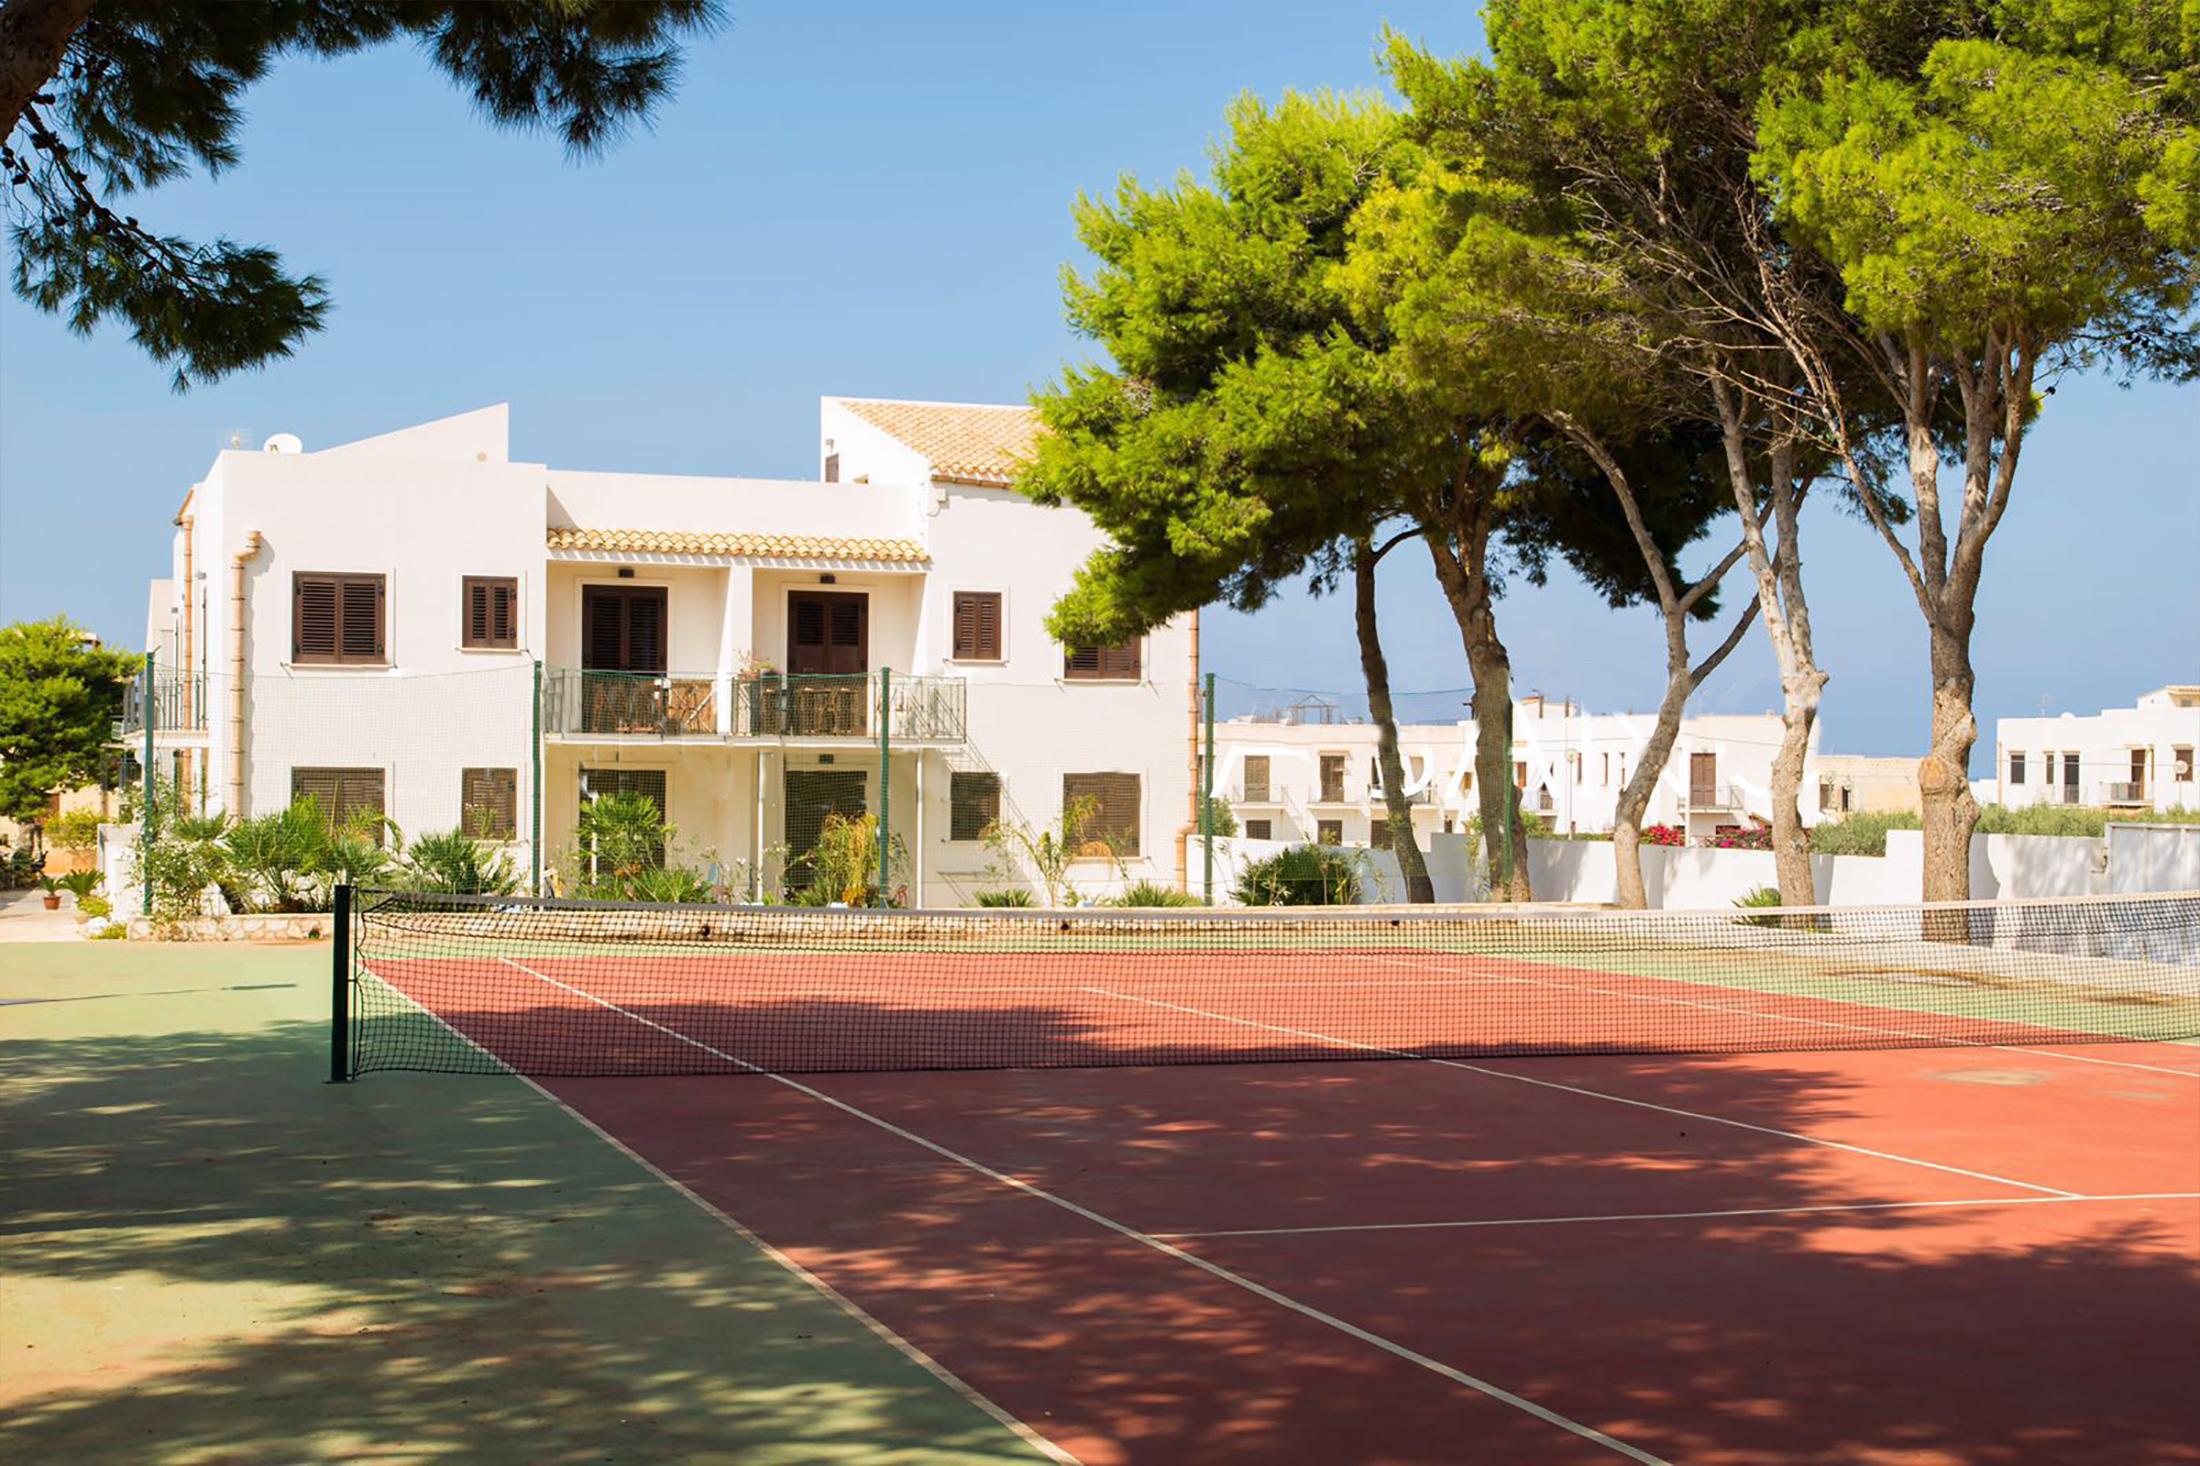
622 658
828 636
1703 778
2070 778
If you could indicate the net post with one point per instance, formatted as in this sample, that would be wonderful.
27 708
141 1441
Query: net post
534 788
146 704
885 786
1207 793
339 1025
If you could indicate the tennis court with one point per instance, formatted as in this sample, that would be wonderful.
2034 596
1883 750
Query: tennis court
1861 1185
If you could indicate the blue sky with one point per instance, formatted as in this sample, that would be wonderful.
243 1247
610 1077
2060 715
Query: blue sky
873 199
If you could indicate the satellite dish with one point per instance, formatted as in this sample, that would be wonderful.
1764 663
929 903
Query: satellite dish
284 443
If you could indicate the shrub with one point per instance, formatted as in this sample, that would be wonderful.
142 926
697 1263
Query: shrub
1011 896
77 829
1304 875
1152 893
459 865
1862 833
1224 818
92 906
1757 836
620 836
80 884
1664 835
843 867
1756 899
275 855
672 885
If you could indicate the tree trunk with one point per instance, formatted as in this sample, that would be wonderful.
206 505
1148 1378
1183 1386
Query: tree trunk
1466 588
1634 799
1790 838
1950 813
1419 889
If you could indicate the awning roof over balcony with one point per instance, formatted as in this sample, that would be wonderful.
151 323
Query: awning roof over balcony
690 546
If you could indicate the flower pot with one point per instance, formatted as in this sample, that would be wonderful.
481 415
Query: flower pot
52 900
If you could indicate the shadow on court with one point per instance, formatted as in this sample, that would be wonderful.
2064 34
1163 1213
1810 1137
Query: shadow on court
211 1255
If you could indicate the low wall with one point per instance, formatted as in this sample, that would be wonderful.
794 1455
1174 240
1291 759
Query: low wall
2153 858
300 927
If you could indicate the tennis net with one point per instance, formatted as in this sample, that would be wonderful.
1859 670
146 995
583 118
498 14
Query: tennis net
548 988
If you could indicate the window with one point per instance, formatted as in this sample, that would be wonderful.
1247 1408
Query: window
1102 663
491 613
1573 766
344 795
1378 833
977 626
1257 830
1520 774
2016 768
1329 832
973 803
488 803
832 467
623 628
338 620
2180 763
1332 772
1113 825
1607 767
1256 778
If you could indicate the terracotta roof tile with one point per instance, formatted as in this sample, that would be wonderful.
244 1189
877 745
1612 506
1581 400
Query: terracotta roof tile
966 443
756 546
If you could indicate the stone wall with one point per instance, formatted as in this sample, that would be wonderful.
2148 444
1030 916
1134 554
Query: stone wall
303 927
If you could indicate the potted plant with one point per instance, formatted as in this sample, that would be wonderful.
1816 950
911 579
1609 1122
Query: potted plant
51 885
80 884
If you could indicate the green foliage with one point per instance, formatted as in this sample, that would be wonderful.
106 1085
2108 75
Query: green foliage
1757 898
1152 893
1304 875
1223 819
141 93
2091 821
619 836
1046 853
672 885
457 864
1861 833
74 829
114 931
275 855
80 884
51 885
1009 896
94 906
843 867
59 698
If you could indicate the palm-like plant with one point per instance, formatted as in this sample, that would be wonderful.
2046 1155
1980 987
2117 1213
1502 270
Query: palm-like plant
459 865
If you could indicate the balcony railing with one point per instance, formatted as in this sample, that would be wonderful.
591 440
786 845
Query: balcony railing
1426 794
1714 796
178 703
580 703
2134 792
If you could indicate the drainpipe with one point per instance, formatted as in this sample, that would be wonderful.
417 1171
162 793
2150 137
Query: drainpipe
237 564
1191 824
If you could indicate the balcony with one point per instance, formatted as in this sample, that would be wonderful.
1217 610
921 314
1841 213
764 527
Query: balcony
587 706
1426 794
2133 792
178 706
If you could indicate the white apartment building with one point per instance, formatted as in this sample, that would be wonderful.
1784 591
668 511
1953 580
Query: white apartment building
2140 757
1293 777
418 624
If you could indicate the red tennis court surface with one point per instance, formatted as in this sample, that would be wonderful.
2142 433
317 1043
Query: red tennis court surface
1974 1254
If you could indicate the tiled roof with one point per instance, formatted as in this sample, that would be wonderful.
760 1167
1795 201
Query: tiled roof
966 443
754 546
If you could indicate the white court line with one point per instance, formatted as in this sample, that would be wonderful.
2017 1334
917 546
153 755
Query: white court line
955 1384
1213 1269
1932 1038
1679 1216
1617 1099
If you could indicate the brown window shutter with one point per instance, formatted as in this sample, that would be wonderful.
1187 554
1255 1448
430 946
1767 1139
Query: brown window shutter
491 612
1114 822
360 613
1081 663
489 803
978 626
342 794
973 803
1120 663
313 618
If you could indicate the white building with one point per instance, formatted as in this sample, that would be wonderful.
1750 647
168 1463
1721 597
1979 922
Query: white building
417 624
2140 757
1290 776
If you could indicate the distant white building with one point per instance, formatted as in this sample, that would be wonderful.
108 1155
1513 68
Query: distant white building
418 626
2140 757
1293 776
